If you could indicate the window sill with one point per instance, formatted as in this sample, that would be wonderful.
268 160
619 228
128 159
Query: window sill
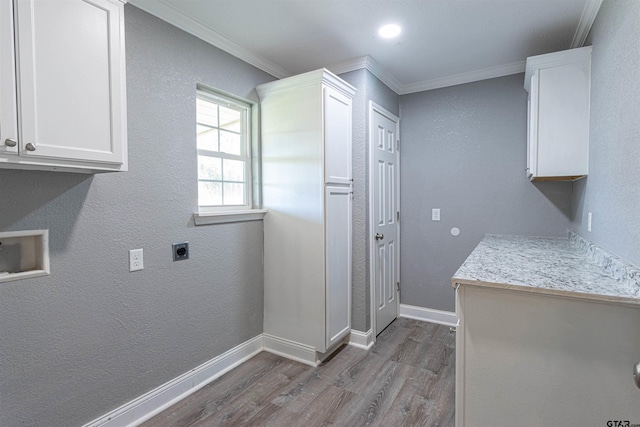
228 216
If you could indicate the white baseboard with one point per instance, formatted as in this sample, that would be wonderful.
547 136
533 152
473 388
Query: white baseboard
290 350
362 340
159 399
429 315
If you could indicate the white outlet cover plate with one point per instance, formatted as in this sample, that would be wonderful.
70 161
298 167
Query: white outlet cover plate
136 260
435 214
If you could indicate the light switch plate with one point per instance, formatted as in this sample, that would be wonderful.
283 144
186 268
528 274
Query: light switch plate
435 214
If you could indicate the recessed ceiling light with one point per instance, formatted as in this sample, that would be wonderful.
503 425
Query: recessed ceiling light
389 31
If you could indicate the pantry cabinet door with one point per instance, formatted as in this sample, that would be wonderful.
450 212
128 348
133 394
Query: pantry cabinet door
337 137
71 84
8 106
338 262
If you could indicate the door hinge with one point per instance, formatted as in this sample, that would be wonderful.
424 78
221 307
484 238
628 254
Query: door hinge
398 286
398 144
398 216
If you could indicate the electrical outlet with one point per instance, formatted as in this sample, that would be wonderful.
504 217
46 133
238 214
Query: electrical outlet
435 214
180 251
136 261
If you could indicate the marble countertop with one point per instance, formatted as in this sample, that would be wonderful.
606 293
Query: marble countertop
550 266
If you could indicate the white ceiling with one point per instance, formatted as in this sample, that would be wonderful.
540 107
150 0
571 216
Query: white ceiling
443 42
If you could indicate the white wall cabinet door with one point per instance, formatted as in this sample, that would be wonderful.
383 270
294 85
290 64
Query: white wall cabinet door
337 137
62 85
558 126
71 82
8 105
338 262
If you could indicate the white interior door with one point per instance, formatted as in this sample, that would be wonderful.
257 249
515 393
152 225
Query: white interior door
384 186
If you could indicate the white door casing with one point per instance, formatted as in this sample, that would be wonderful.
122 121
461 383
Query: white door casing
384 208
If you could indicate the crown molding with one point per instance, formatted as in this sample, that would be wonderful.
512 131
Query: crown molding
589 14
176 18
310 78
468 77
368 63
350 65
168 13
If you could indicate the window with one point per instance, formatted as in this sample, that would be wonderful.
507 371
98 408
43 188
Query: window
224 152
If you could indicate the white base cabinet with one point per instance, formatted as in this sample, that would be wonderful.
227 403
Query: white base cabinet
63 98
306 175
558 123
530 359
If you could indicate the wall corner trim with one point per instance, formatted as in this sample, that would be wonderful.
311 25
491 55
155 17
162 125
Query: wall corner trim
157 400
431 315
363 340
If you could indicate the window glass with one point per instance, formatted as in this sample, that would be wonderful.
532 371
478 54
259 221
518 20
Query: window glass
224 163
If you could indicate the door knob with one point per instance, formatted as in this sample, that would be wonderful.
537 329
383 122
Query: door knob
10 142
30 147
379 236
636 374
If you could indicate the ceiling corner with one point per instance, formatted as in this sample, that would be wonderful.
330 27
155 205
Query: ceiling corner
368 63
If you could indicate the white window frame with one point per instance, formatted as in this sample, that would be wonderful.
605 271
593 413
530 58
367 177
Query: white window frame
245 135
206 215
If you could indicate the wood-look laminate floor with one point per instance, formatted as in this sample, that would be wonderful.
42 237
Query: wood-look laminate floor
405 379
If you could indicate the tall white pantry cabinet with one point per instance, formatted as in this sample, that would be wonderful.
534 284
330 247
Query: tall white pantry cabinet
307 189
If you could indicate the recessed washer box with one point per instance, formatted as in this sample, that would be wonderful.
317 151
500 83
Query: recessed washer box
24 254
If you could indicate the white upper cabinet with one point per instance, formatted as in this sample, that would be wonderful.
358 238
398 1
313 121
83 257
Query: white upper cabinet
69 90
8 112
558 128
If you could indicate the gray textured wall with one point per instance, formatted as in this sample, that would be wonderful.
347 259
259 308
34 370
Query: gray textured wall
359 291
92 336
463 150
612 189
369 87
